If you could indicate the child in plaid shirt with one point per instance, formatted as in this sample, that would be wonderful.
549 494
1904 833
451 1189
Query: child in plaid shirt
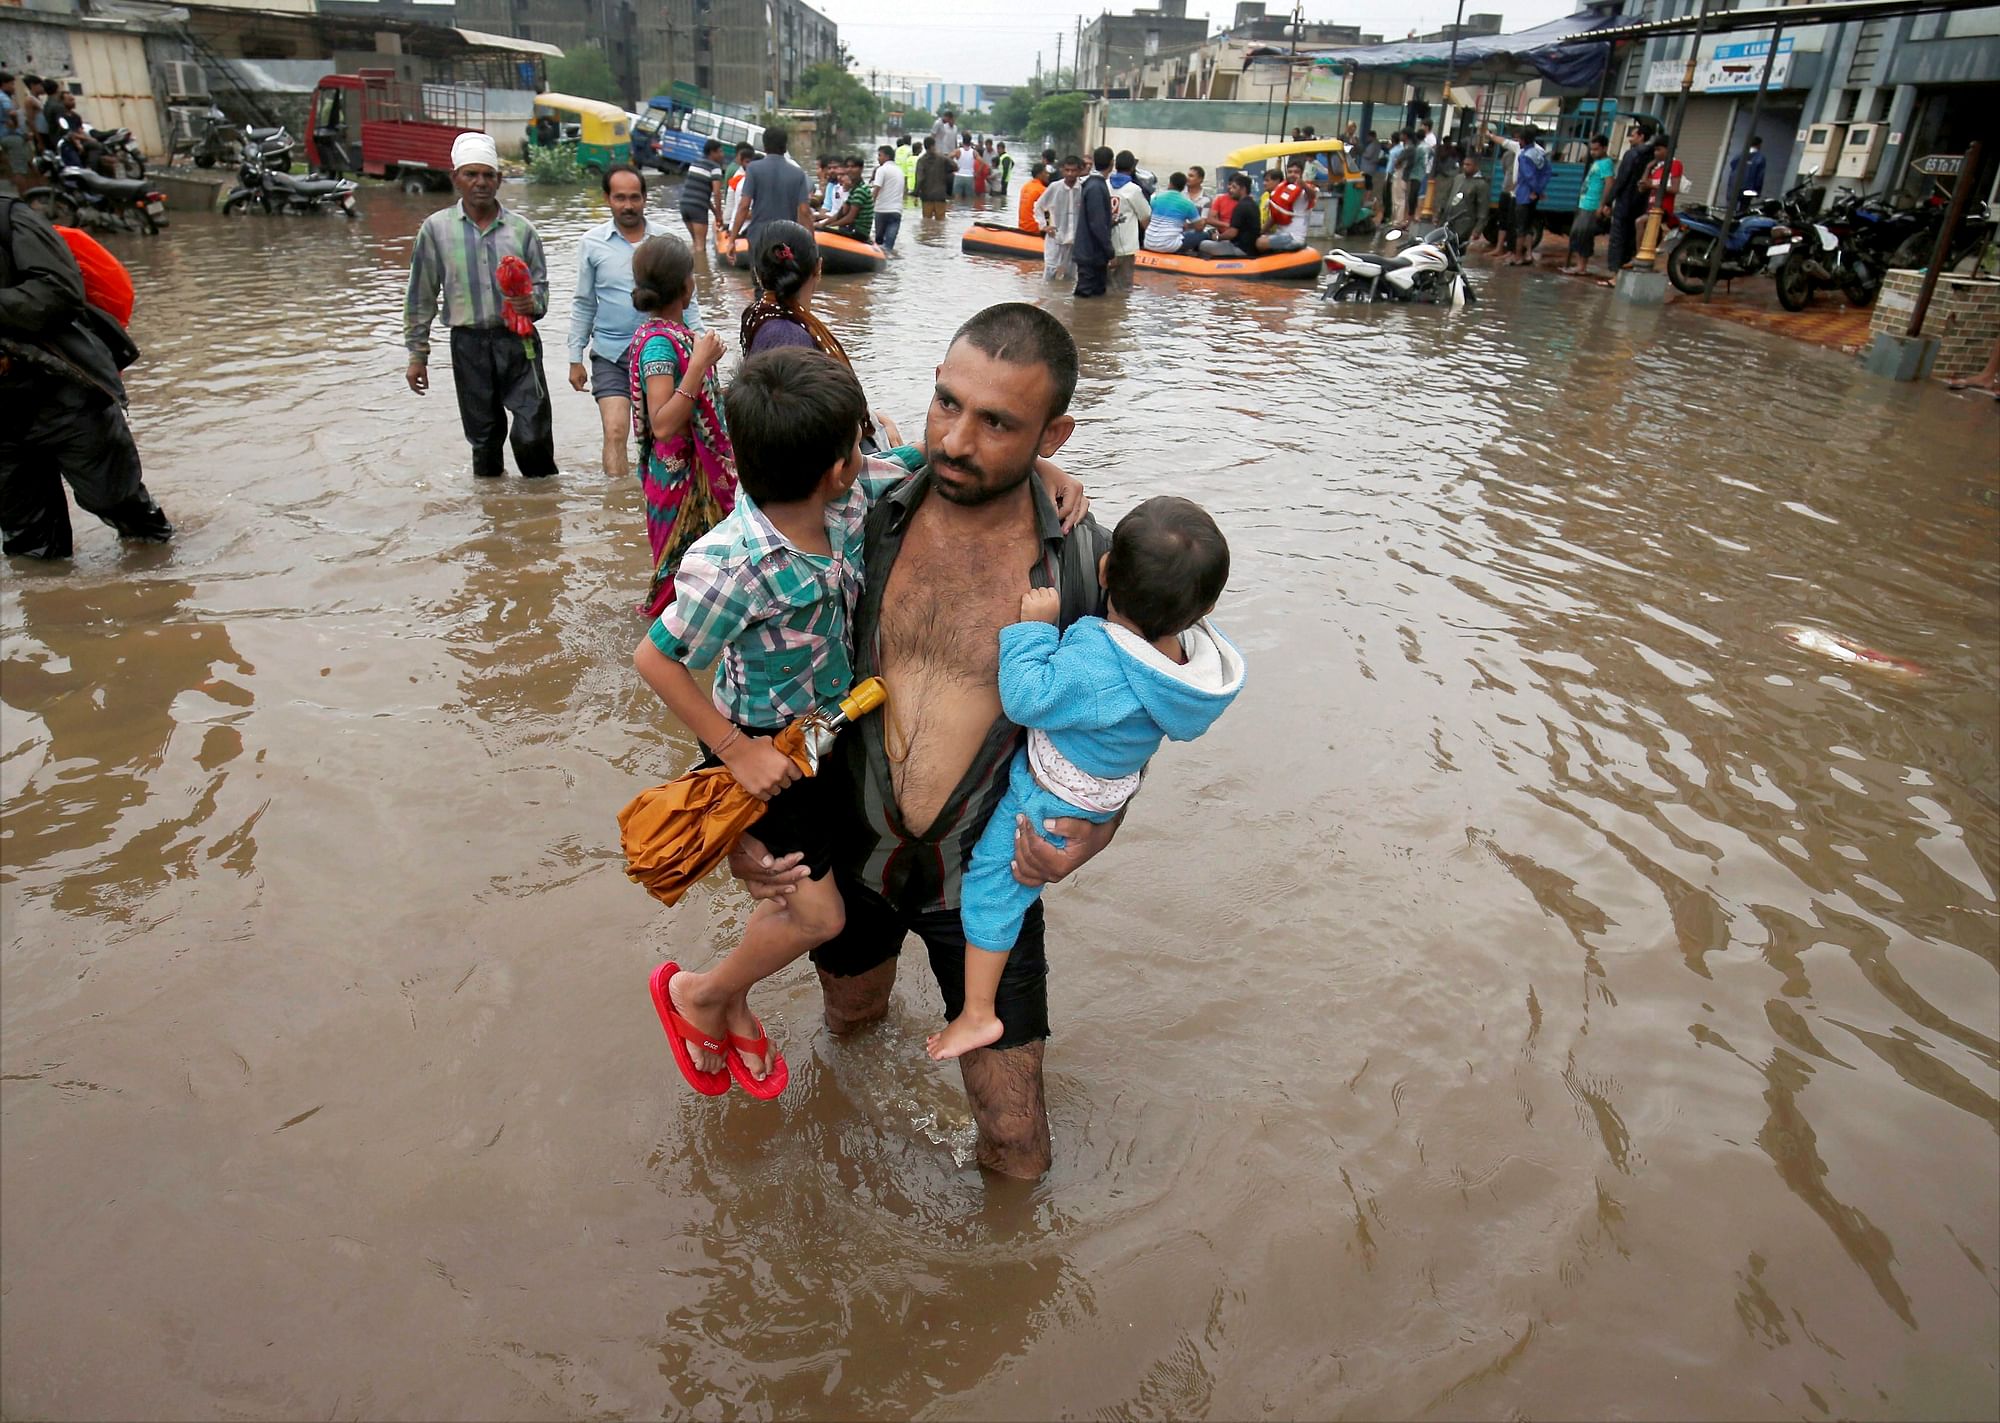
768 594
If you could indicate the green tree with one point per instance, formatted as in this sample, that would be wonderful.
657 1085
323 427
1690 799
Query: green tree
917 122
1010 115
832 90
585 73
1059 117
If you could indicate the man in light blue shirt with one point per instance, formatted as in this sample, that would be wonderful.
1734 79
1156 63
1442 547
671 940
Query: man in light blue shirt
602 318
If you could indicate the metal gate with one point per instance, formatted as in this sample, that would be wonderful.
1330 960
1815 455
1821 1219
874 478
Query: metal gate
117 90
1699 147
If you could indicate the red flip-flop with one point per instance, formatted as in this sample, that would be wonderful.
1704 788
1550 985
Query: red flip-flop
774 1080
680 1032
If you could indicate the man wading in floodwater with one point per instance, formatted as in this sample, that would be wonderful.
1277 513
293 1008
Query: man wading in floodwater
949 554
458 254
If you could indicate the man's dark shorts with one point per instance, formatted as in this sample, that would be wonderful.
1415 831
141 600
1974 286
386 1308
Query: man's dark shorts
609 378
875 932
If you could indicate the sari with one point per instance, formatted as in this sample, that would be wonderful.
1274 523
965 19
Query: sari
690 480
769 308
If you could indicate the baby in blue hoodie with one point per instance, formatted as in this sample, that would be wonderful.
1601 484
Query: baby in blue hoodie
1096 702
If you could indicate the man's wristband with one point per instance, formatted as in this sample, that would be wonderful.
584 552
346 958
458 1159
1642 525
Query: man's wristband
735 734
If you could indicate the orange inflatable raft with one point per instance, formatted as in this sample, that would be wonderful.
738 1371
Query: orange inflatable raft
839 256
987 240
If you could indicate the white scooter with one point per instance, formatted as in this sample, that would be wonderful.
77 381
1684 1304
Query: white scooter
1428 271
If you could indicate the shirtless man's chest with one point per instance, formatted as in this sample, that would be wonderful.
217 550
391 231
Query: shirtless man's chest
947 598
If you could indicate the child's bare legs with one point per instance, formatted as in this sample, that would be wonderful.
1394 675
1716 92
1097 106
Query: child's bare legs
717 1000
977 1024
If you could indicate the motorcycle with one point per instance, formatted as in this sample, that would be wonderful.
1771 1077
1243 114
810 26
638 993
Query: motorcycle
73 194
1851 248
1750 239
120 153
1429 271
259 187
273 146
221 141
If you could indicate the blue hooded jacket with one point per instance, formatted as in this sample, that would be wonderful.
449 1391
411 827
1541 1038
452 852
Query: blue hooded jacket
1106 697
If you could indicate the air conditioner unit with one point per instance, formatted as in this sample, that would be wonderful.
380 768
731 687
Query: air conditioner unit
1862 151
183 79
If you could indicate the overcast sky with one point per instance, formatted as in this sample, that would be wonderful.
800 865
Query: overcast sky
991 42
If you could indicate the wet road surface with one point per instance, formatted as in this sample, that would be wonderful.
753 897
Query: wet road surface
1550 992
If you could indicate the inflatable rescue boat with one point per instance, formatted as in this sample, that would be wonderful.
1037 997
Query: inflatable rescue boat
987 240
839 256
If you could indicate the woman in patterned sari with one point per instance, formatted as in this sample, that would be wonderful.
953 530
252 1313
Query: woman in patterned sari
788 272
689 471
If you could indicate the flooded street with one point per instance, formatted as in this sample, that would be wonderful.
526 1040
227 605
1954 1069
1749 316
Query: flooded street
1551 992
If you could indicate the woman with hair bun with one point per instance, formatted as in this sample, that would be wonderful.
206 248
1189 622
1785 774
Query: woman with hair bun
787 263
689 469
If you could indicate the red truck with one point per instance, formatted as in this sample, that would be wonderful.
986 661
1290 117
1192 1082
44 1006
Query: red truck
372 122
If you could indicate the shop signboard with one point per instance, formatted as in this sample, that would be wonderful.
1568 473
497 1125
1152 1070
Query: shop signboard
1739 68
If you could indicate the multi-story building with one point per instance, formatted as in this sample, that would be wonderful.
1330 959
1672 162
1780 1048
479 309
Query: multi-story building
1213 67
1849 105
1112 44
743 53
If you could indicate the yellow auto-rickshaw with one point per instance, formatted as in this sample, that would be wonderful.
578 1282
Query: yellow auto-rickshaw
600 134
1341 169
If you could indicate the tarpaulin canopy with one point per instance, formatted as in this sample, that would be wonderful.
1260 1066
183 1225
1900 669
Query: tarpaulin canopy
1551 50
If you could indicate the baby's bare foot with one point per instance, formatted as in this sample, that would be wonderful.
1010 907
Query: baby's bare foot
962 1035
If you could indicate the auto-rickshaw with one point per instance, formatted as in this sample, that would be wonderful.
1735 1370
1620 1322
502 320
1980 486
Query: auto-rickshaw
599 134
1343 173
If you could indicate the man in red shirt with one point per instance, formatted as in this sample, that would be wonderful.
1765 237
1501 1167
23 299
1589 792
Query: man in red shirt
1652 180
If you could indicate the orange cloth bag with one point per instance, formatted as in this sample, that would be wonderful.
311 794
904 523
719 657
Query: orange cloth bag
676 833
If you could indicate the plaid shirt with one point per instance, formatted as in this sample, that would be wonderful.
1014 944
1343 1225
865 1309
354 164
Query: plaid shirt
456 259
776 616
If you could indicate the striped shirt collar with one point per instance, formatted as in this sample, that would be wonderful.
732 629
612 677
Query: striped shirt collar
500 216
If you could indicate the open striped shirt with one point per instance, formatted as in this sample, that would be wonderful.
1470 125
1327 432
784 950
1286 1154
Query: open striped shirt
456 260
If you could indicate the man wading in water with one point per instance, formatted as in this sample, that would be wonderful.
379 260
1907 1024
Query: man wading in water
949 554
458 255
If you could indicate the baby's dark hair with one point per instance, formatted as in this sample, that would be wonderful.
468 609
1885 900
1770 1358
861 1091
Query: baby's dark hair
1168 564
660 271
793 414
785 258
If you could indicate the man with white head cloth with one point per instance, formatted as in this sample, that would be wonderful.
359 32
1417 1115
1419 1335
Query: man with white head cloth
457 260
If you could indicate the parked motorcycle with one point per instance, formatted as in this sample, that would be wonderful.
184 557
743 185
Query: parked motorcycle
260 189
1750 238
272 145
121 153
1430 271
220 142
73 196
1850 248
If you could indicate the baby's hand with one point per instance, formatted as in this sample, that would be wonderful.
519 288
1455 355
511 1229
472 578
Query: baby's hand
1041 605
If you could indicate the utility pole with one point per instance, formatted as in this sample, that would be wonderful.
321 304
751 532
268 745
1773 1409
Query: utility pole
1298 20
1058 69
1646 257
1077 63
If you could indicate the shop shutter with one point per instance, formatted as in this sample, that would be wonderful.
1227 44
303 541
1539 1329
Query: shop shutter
1700 147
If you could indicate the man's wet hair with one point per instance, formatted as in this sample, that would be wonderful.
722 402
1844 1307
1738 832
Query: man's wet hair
624 168
793 414
714 145
1125 162
930 145
1100 157
1167 567
660 271
776 139
1177 181
1022 335
1075 159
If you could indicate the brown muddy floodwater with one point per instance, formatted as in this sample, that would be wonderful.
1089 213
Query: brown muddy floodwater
1549 993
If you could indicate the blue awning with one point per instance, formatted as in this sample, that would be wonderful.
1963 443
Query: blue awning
1550 50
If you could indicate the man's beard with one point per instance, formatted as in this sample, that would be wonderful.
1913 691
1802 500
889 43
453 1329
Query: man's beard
980 490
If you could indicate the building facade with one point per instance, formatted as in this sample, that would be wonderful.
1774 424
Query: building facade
1849 105
1214 67
1113 44
745 54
